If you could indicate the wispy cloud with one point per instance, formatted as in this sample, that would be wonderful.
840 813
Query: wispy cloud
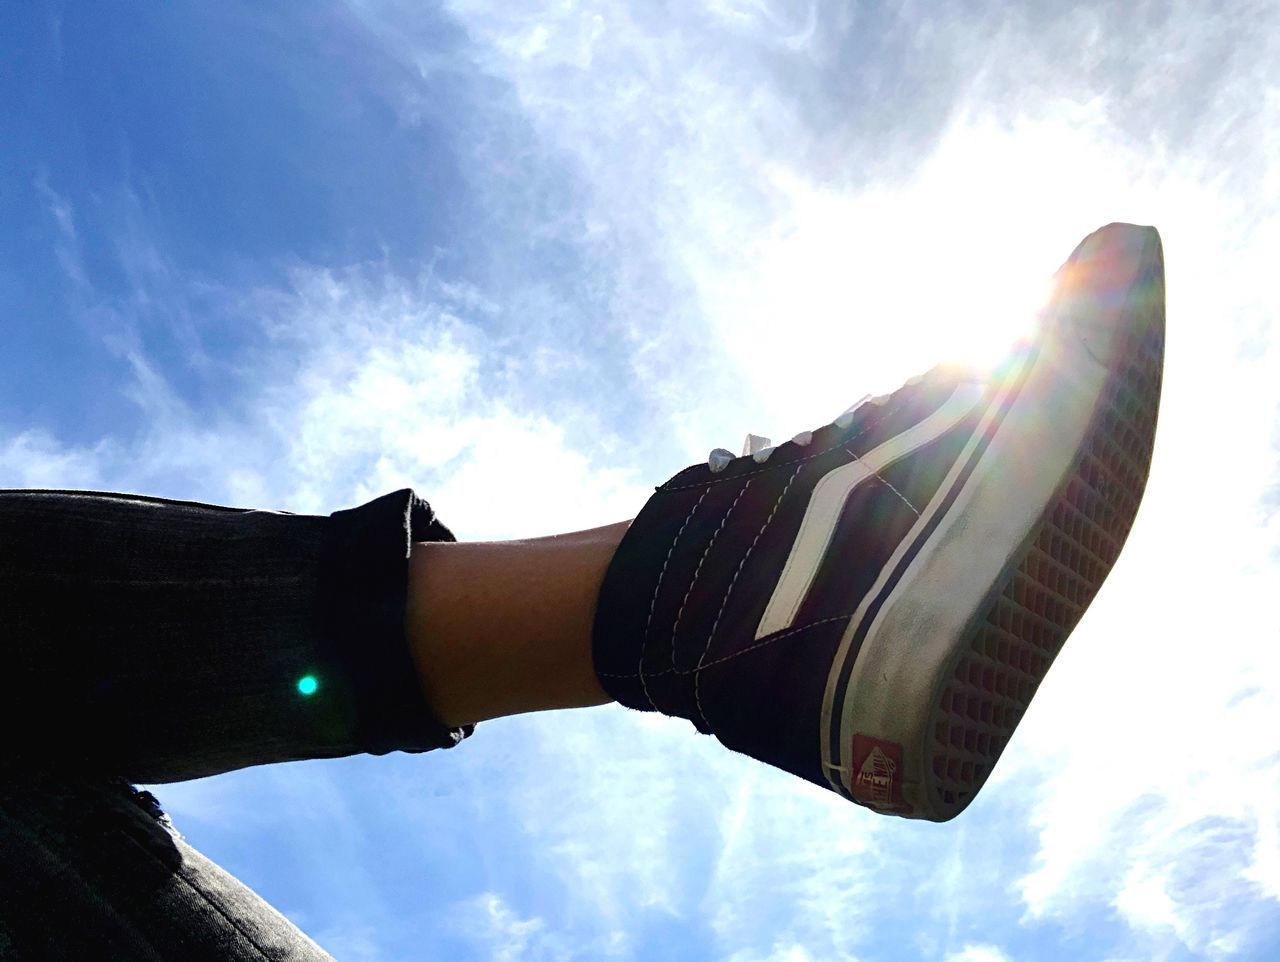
978 953
497 933
505 936
364 383
66 244
35 459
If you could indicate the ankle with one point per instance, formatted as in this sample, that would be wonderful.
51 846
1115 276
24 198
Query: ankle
500 628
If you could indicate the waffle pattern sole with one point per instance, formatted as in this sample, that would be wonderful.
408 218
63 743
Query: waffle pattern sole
1070 552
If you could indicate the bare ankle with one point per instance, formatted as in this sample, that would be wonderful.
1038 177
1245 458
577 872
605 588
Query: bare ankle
504 627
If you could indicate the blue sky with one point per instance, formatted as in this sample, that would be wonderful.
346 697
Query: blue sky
531 261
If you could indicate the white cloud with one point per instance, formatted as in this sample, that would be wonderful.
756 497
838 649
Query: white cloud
504 936
36 459
350 940
978 953
780 952
392 394
626 793
369 384
498 933
66 244
794 865
1145 901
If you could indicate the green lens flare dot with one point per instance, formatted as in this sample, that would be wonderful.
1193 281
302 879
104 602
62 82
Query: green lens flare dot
307 685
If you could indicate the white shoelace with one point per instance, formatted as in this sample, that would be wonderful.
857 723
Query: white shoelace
760 448
756 447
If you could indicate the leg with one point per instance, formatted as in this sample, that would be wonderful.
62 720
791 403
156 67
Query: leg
163 640
498 628
89 869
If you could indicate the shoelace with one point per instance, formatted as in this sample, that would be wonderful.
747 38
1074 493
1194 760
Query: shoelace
760 448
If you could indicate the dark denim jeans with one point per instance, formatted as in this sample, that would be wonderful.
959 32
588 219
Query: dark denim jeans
152 640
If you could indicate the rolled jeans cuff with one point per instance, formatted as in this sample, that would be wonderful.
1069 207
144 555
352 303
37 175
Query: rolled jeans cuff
363 592
163 640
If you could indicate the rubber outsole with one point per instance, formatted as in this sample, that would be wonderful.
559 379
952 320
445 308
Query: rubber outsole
946 650
1000 663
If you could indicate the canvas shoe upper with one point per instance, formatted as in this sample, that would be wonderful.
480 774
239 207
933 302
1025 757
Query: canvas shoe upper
872 604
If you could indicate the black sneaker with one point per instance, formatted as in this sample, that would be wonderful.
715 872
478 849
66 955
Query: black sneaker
872 605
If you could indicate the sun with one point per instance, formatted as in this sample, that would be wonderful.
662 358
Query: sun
996 303
840 290
854 297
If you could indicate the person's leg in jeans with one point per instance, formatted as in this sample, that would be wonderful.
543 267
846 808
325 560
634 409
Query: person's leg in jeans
150 640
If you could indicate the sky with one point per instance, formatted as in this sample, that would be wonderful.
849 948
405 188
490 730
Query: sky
532 259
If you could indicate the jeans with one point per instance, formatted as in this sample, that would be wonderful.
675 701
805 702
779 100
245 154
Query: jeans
152 640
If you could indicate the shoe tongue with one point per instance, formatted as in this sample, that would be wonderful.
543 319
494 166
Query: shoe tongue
754 443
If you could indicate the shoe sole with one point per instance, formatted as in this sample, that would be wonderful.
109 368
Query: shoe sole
945 653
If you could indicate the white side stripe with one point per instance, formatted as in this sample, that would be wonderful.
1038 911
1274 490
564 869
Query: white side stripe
828 500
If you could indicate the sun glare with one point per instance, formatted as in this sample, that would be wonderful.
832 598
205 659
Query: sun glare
847 292
884 297
980 329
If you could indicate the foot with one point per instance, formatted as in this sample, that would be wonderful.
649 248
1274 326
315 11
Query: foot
873 604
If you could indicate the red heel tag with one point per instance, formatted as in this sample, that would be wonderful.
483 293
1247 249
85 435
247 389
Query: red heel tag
877 774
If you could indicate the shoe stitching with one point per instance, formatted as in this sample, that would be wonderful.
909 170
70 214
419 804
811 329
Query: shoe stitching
698 570
644 641
759 644
697 678
887 483
639 673
781 464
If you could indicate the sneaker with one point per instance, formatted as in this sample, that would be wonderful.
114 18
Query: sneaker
873 604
